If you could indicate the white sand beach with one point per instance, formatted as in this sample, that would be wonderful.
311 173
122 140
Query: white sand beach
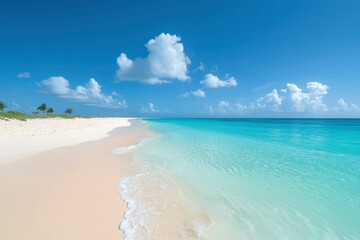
59 178
19 139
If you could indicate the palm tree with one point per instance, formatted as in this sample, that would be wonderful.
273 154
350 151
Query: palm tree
50 111
2 106
42 108
69 111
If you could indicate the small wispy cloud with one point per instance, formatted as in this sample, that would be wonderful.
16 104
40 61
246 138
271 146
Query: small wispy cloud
213 81
23 75
149 108
345 107
15 105
224 107
201 66
196 93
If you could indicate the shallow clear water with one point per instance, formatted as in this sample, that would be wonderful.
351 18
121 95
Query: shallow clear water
253 178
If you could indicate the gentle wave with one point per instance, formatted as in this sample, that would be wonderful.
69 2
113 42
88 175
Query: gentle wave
123 150
157 209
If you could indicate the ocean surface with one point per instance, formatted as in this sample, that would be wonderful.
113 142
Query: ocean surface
248 179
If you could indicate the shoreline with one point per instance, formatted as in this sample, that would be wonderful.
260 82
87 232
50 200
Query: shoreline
69 192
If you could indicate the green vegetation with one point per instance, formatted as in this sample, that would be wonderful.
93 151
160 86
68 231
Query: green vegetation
69 111
23 117
57 116
2 106
50 111
36 114
42 108
14 115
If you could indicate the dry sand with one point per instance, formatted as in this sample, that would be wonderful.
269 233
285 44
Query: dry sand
20 139
68 193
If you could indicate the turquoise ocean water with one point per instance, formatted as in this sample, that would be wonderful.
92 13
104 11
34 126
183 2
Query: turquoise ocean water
247 179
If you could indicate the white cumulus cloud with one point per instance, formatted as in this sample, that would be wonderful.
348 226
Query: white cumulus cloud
317 88
196 93
271 101
294 99
311 101
166 61
344 106
212 81
90 94
24 75
291 99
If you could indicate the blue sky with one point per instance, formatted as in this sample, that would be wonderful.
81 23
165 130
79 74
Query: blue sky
182 58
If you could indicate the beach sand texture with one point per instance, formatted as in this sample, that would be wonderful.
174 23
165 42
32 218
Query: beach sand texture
20 139
64 193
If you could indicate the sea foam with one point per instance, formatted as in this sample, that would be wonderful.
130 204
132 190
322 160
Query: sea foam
123 150
157 209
